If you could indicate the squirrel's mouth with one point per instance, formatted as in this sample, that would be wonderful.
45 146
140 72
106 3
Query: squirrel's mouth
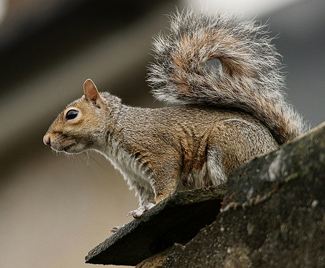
73 147
67 148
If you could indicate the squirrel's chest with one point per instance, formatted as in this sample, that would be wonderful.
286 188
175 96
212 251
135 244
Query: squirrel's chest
134 172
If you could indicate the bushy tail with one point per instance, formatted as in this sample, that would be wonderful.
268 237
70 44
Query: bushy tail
249 76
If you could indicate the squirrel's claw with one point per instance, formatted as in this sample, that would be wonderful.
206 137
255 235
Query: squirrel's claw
137 213
116 228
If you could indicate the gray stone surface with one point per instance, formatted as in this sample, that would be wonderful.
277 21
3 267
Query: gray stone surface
175 219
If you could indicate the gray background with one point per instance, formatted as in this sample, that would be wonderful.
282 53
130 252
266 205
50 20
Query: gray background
53 208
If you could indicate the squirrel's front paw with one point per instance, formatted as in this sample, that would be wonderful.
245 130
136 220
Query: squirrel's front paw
139 211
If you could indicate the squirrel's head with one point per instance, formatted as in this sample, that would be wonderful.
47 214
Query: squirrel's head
84 123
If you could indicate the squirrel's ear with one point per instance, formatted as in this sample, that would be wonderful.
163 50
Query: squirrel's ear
91 93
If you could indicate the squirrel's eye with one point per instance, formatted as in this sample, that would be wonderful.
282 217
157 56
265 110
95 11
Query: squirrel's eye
71 114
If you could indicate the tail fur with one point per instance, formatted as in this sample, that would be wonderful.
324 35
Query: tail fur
249 77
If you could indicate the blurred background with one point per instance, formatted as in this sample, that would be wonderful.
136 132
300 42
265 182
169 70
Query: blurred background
53 208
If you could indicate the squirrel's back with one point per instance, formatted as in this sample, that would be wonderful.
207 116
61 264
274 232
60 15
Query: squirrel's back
249 77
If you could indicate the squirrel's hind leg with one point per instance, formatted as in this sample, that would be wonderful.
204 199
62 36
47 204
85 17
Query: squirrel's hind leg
216 170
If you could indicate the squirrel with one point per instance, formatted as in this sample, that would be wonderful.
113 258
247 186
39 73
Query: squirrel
219 117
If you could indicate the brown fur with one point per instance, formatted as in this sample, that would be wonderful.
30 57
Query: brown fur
223 117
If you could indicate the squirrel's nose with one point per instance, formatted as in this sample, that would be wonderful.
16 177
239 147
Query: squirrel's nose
47 140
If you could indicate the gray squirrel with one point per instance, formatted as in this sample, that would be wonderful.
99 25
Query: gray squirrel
219 118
